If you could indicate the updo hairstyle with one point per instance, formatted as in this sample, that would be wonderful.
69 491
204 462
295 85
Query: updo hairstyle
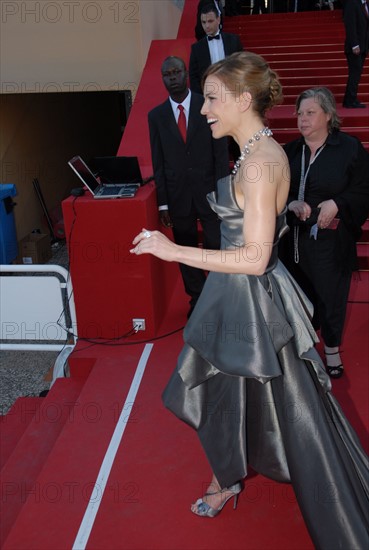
248 72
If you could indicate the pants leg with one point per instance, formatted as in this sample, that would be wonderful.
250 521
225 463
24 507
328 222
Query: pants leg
185 233
355 68
331 285
211 229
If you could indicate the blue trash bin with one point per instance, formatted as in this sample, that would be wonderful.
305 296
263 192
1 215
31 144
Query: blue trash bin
8 236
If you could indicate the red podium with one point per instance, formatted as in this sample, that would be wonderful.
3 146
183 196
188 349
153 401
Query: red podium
112 286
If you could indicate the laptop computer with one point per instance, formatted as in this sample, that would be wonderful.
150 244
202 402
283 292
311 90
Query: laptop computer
99 189
117 169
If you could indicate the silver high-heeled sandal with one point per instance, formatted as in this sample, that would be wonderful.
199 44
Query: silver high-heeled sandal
203 508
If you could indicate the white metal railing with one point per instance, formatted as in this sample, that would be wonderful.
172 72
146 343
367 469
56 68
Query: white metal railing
37 308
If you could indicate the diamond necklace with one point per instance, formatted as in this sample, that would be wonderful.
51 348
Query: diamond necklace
250 143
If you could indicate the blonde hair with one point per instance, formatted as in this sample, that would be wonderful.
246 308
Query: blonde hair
248 72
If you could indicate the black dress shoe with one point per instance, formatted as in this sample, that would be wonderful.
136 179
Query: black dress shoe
356 105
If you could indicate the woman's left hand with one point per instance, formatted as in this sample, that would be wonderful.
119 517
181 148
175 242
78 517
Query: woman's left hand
328 211
154 242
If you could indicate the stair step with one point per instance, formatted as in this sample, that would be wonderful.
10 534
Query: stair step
14 423
359 289
324 17
66 481
291 99
363 262
296 49
298 36
337 88
80 367
274 27
309 80
283 116
283 135
363 252
287 54
306 72
19 473
309 63
365 234
363 249
290 41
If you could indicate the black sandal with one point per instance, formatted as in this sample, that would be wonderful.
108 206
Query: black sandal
336 371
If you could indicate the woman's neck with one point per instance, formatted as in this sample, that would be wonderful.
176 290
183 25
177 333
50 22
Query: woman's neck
315 144
247 131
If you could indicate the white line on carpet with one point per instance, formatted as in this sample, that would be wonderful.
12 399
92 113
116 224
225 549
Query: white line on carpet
106 466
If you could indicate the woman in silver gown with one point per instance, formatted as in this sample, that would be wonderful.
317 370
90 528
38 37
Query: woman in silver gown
249 379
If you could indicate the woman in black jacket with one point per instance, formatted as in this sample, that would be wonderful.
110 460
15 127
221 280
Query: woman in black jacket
328 203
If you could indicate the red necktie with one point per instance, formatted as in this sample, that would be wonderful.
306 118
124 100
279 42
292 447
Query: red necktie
182 123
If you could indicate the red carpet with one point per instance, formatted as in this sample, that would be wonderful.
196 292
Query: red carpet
159 468
96 465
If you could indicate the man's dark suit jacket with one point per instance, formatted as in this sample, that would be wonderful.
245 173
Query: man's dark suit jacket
357 26
200 57
185 172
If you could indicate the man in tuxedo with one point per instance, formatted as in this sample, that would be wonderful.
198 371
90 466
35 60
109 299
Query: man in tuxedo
214 46
356 20
187 162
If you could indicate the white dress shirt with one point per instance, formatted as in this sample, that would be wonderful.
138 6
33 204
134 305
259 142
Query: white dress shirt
216 49
186 107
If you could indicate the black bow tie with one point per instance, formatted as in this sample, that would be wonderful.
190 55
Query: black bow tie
216 37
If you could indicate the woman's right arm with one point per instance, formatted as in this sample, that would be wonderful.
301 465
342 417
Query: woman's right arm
250 257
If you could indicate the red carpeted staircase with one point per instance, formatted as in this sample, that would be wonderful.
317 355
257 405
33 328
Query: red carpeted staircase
306 50
52 448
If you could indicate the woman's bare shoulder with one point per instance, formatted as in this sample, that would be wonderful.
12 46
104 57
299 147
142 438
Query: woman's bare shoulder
269 164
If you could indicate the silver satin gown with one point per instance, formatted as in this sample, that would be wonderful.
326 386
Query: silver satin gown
252 385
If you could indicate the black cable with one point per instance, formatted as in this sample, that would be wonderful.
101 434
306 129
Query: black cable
153 339
108 342
66 298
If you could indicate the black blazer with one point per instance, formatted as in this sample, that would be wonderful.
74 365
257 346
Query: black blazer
200 57
356 25
185 172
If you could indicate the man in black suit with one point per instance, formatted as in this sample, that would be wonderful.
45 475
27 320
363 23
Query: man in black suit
356 19
214 46
186 168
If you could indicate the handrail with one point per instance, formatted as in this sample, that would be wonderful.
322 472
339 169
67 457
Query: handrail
65 347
